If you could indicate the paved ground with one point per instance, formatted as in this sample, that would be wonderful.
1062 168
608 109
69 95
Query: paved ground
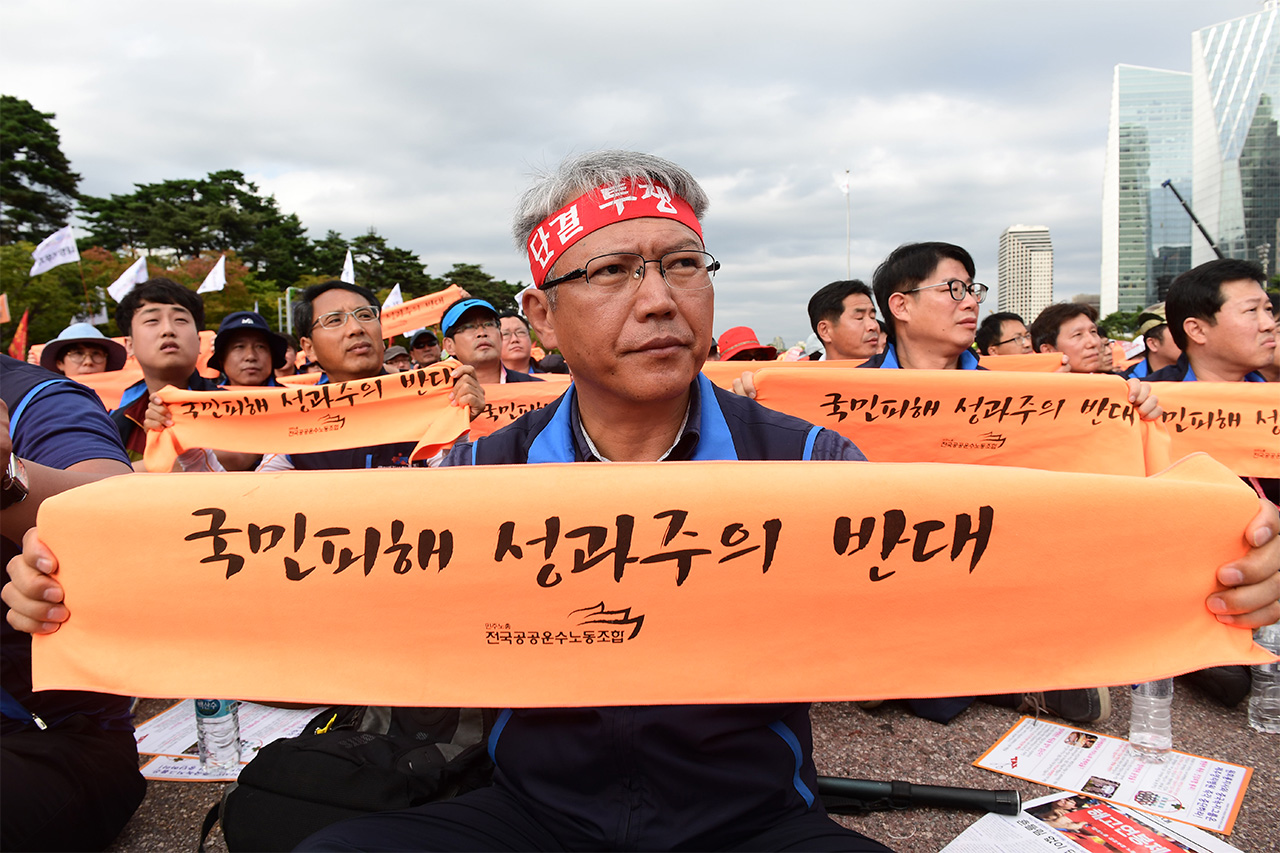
887 743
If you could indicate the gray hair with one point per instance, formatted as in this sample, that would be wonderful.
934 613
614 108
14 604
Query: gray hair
579 174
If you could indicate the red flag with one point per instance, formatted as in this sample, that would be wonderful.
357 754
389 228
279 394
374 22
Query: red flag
18 349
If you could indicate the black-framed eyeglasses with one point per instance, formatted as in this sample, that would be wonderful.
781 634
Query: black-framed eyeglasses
338 319
1024 338
516 333
958 289
683 270
93 355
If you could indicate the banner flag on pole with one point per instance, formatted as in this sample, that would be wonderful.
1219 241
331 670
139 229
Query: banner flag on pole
18 348
842 181
348 270
133 276
217 277
394 298
55 250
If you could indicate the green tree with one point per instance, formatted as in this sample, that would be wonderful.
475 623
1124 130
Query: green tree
37 186
1120 324
54 297
223 212
380 267
470 277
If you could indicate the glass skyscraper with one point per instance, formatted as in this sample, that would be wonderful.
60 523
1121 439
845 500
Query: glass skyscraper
1146 235
1235 70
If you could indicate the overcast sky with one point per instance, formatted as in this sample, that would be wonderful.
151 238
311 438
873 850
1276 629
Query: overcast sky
423 119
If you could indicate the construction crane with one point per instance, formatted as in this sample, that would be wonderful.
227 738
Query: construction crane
1191 213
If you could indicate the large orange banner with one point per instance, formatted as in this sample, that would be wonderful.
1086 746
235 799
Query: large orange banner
641 583
409 406
1237 423
1053 421
424 311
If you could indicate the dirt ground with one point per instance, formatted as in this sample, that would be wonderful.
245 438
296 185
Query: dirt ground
887 743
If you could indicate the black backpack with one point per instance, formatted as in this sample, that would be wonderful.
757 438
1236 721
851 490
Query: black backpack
348 762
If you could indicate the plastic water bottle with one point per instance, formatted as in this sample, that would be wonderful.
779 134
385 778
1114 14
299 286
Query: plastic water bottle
218 736
1264 695
1150 728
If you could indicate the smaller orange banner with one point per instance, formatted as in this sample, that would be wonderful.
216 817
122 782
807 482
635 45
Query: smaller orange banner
508 401
310 378
110 385
1052 421
1237 423
1031 362
722 373
416 313
409 406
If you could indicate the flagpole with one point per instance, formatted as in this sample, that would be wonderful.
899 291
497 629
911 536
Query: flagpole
849 249
88 307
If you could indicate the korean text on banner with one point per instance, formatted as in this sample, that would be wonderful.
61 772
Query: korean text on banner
1237 423
341 588
1056 422
506 402
409 406
416 313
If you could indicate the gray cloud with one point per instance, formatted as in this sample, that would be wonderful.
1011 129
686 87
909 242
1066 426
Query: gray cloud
423 119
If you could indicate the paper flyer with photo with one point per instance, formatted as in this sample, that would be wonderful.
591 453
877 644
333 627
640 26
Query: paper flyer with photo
1187 788
1066 822
173 732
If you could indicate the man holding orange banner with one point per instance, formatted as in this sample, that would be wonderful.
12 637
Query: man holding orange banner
930 302
1221 319
344 337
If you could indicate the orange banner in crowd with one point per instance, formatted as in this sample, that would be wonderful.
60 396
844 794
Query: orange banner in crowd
1030 362
309 378
409 406
653 583
504 403
415 313
110 385
722 373
1056 422
1237 423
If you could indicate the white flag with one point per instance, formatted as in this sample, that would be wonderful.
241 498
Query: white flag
55 250
216 279
129 279
348 270
842 181
394 298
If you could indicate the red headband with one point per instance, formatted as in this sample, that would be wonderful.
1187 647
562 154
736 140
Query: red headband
630 198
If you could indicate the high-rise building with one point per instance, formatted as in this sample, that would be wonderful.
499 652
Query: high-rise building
1025 270
1146 235
1235 71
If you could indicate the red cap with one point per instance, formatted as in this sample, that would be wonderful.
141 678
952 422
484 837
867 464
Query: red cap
740 339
